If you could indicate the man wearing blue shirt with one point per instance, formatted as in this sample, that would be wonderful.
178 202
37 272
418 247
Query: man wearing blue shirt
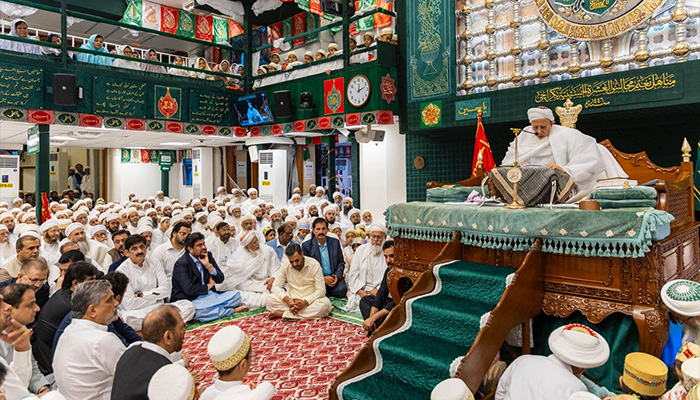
327 251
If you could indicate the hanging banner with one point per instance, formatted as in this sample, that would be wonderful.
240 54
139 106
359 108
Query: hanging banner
203 28
287 27
220 31
126 155
154 156
311 24
185 24
334 100
135 156
366 23
151 16
168 19
274 32
132 15
315 7
234 29
145 156
299 27
383 20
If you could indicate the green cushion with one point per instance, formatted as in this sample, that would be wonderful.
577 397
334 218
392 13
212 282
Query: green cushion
452 193
604 203
634 193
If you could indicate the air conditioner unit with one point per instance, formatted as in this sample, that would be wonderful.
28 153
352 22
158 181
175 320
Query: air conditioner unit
58 171
9 177
196 173
272 176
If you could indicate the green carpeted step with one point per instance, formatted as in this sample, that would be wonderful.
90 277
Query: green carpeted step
443 327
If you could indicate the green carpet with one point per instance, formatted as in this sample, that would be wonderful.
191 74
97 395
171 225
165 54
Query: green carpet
337 312
443 327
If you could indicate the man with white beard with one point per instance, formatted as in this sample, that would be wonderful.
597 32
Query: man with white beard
6 248
234 217
222 243
148 287
98 233
8 220
132 215
159 234
221 191
318 198
367 269
252 202
249 269
90 248
236 196
248 223
200 222
49 243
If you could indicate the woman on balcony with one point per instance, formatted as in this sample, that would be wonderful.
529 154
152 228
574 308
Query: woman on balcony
19 28
121 63
95 43
225 67
153 56
177 71
204 66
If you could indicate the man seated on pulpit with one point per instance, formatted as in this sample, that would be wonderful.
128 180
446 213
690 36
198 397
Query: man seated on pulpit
564 149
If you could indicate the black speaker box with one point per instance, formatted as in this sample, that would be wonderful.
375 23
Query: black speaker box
65 92
283 104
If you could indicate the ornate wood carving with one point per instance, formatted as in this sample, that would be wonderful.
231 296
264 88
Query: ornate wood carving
561 305
644 278
638 160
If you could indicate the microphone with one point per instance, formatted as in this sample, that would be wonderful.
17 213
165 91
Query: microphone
525 130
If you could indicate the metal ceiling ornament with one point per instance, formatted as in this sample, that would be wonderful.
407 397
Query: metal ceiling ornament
595 19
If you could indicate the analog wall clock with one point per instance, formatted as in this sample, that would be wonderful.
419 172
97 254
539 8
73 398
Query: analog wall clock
358 90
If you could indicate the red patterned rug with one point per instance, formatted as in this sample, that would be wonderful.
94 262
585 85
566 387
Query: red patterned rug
300 358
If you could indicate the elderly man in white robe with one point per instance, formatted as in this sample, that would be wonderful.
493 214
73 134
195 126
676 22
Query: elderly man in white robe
7 250
564 149
92 249
575 348
148 287
222 243
252 202
249 270
49 243
367 269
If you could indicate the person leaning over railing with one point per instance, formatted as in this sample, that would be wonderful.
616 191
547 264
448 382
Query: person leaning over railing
95 43
179 61
19 28
54 52
204 66
121 63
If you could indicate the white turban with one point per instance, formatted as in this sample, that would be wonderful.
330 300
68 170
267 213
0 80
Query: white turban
247 237
6 215
579 346
143 229
171 382
72 227
51 223
354 211
200 215
3 227
275 211
540 113
378 228
247 217
97 228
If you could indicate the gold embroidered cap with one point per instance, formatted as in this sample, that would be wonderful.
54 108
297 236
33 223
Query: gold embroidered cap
228 347
645 374
687 351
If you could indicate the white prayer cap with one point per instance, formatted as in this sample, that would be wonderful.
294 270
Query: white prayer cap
24 207
112 217
304 224
308 53
63 224
321 51
28 230
145 221
354 211
583 396
144 229
215 220
159 192
337 194
682 297
72 227
290 219
97 228
151 211
229 345
3 228
252 190
220 188
296 196
451 389
93 216
321 189
164 217
50 223
171 382
233 206
176 218
579 346
691 373
131 210
200 215
6 215
78 214
540 113
247 237
275 211
292 53
333 46
378 228
247 217
387 31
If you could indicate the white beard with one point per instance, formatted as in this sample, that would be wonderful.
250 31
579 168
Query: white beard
6 249
84 247
376 250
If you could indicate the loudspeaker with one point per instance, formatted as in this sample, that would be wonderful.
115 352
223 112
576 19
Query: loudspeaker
65 92
253 153
376 136
283 104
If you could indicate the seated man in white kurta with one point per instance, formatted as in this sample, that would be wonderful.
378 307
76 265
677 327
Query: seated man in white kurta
366 272
148 287
305 297
249 269
564 149
222 243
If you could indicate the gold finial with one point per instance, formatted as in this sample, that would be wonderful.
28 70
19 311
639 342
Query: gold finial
568 115
480 158
686 150
479 111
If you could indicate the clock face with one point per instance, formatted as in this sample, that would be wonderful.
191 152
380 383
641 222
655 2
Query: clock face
358 91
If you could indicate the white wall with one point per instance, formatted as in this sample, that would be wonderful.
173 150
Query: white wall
383 172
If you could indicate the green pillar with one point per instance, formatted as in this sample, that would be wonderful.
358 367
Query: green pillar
331 167
42 169
165 181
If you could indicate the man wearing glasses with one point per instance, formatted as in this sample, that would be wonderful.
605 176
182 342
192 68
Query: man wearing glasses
33 273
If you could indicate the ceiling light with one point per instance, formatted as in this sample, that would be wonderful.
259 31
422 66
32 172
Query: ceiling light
174 144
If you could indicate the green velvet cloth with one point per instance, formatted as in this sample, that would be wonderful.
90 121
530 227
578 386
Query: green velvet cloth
606 233
442 327
633 193
628 203
452 193
619 330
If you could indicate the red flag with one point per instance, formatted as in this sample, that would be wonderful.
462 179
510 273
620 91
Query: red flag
45 212
481 145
